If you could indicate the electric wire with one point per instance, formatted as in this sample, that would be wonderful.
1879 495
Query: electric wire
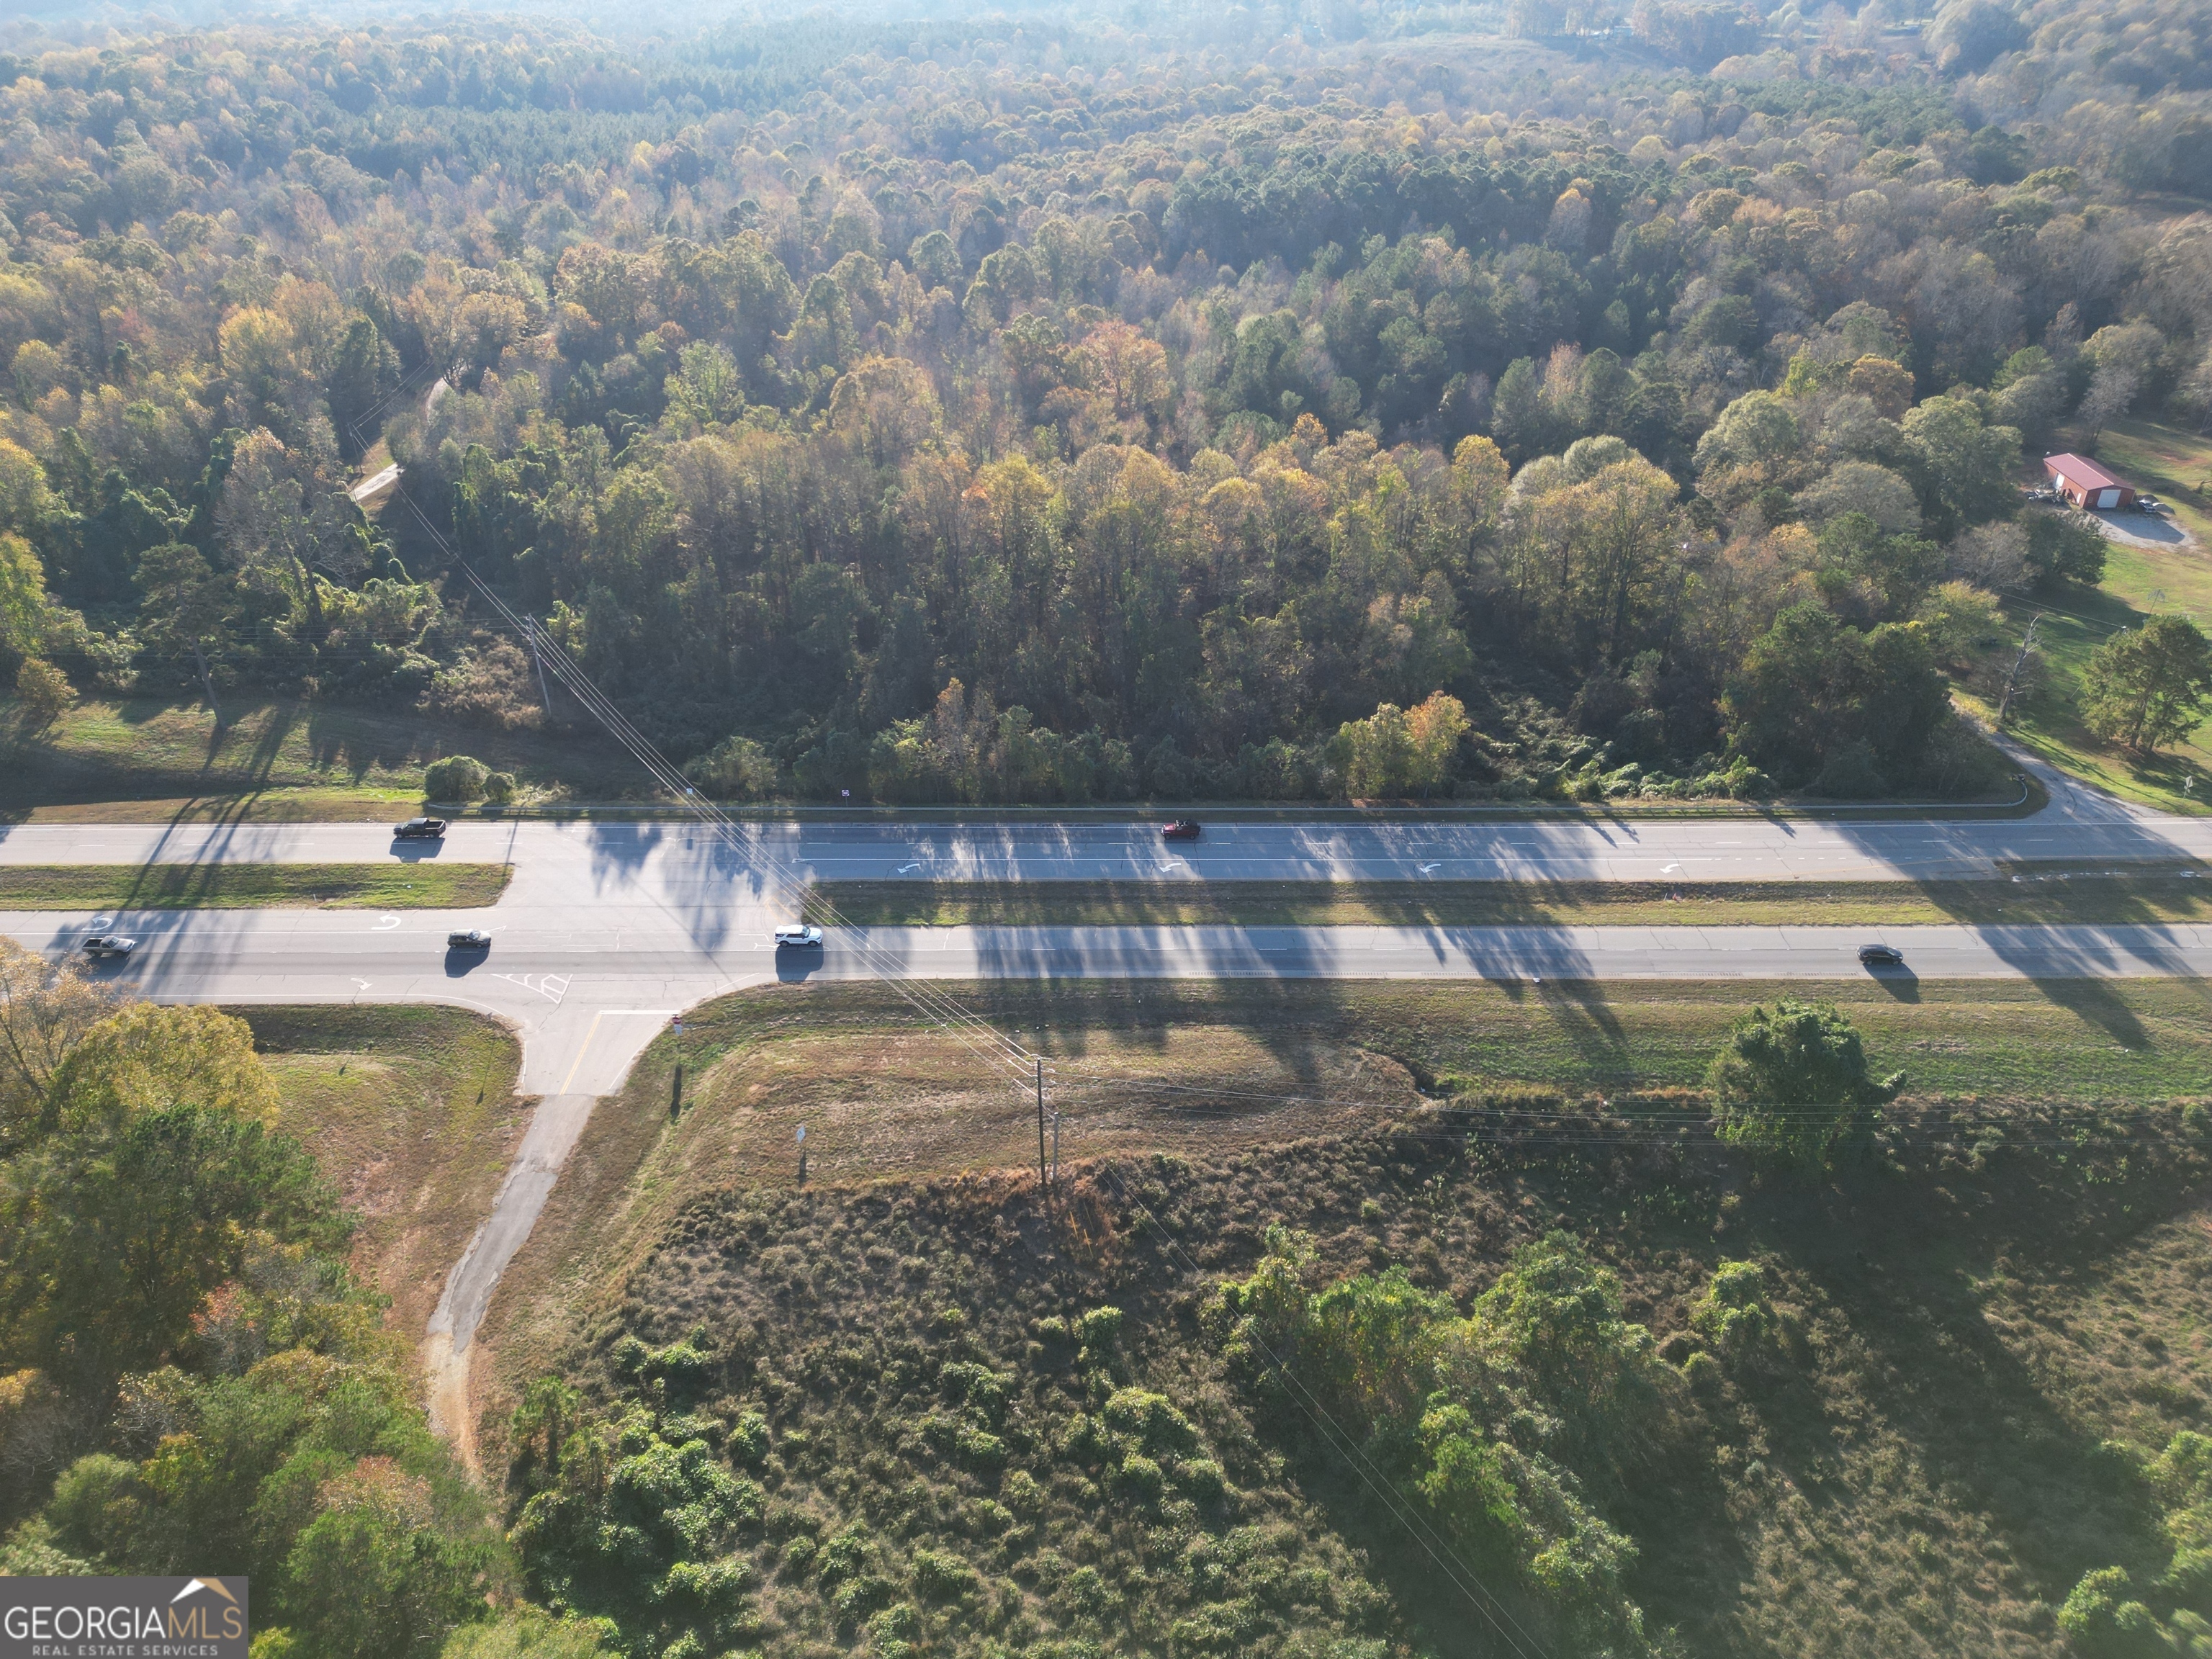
1339 1440
947 1013
987 1041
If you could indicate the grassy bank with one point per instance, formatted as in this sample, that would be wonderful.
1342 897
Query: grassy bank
420 886
279 757
2035 897
1922 1466
883 1095
412 1112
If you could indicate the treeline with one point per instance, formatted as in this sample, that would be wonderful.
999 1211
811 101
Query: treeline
1047 419
191 1377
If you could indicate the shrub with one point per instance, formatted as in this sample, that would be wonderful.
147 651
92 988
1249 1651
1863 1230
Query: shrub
2103 1622
525 1633
941 1576
1733 1316
42 692
1793 1084
738 768
1140 1478
500 788
457 778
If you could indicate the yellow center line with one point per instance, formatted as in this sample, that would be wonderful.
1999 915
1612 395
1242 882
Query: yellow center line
590 1031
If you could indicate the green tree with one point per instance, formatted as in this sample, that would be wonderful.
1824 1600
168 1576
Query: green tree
1734 1316
2104 1620
1812 687
1962 469
42 693
2150 686
1555 1313
372 1576
1519 420
1794 1085
155 1217
23 600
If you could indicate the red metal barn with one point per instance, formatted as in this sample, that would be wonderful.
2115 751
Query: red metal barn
2085 484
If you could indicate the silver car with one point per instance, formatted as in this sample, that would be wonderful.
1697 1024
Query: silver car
101 945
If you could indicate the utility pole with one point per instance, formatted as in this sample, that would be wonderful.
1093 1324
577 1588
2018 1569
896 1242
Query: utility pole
1055 1135
207 680
2019 663
1040 1092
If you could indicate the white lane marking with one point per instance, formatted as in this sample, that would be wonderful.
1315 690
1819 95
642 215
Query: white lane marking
109 922
1424 868
906 868
385 924
362 983
545 985
1669 869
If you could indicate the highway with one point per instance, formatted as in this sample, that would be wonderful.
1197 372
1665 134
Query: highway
608 930
689 865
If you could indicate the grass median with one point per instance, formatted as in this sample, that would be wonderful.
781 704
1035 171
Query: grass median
2046 896
423 886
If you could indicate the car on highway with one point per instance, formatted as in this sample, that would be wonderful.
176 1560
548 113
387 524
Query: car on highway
419 829
1180 830
102 945
1881 955
468 939
797 936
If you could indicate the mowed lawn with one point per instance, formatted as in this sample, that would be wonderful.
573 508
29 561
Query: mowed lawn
277 758
2139 582
2031 895
418 886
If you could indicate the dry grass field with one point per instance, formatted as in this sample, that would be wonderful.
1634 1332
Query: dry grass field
412 1113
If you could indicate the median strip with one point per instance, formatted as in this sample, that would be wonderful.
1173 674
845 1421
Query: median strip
421 886
2169 895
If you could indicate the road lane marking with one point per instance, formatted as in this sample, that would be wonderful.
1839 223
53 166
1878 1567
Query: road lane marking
385 924
575 1065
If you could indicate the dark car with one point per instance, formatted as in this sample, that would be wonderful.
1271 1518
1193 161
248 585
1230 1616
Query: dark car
419 829
1881 955
469 938
109 944
1180 830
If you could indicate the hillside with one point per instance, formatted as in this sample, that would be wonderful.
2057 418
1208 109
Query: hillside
912 1379
1909 1462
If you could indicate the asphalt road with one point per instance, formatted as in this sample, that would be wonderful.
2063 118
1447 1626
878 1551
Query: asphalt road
589 860
608 930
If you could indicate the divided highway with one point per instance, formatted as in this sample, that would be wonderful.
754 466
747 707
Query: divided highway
609 930
678 859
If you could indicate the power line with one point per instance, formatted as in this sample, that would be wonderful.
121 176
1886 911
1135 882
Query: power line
1339 1440
945 1010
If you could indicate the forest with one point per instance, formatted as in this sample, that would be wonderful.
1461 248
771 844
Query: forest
1046 412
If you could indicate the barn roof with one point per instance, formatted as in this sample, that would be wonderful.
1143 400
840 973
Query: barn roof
2087 473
